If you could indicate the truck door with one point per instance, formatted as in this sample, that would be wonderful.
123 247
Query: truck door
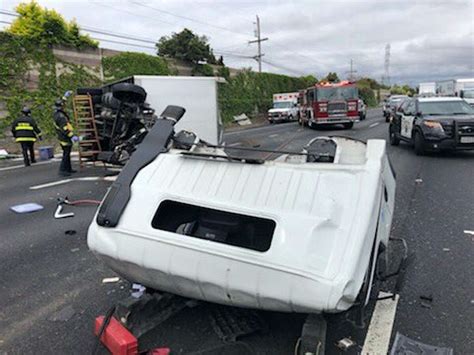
408 116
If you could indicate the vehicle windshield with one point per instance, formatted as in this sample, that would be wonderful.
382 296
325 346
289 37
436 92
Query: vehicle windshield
336 93
446 108
283 104
468 94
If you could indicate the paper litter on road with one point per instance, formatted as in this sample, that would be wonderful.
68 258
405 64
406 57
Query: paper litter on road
109 280
26 208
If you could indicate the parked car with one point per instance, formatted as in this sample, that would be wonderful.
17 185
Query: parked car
391 105
434 124
362 107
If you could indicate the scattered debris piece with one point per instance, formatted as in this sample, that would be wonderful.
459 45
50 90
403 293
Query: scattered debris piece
26 208
242 120
58 213
109 280
405 345
75 250
419 181
63 315
70 232
345 344
469 232
426 298
425 304
446 249
138 290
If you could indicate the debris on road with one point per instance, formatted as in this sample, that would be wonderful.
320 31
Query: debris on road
345 344
3 153
109 280
405 345
426 298
446 249
242 120
419 181
469 232
70 232
73 250
26 208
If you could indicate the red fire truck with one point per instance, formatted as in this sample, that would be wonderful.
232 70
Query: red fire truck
329 103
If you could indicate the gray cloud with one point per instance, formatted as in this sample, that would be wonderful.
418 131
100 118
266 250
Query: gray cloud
429 39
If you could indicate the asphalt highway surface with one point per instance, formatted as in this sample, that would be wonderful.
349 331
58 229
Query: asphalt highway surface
51 285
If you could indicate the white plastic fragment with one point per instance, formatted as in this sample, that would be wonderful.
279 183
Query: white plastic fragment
137 290
469 232
418 181
109 280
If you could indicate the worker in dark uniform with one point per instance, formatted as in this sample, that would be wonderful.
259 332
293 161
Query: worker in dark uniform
26 132
64 131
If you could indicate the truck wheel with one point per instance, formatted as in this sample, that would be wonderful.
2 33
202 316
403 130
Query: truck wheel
394 140
127 92
419 143
313 336
348 125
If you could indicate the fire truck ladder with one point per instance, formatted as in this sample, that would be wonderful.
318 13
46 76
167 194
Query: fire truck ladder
89 144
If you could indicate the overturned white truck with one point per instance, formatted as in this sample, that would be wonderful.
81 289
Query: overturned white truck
301 233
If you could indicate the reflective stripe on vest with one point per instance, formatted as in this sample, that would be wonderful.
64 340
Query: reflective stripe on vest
25 139
23 128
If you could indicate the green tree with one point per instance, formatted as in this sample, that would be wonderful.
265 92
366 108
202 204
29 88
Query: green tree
186 46
47 27
131 63
331 77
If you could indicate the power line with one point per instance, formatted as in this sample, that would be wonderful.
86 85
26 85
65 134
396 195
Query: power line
188 18
279 66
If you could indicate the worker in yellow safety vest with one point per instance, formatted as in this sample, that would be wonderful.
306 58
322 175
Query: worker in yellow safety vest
26 131
66 137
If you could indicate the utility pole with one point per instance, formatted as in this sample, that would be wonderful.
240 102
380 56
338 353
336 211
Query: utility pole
259 41
386 74
352 71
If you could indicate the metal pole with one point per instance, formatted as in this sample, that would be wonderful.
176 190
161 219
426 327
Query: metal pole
259 46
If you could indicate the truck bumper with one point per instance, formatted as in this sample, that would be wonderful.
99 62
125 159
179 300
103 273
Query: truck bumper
335 120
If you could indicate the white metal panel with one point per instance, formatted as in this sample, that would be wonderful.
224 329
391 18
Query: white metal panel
198 95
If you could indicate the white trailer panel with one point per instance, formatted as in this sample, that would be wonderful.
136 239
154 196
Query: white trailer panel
198 95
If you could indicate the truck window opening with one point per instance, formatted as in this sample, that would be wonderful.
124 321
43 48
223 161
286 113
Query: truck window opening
234 229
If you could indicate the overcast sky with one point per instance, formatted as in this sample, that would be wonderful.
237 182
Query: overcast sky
429 40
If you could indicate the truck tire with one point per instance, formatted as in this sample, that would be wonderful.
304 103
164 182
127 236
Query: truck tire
394 140
130 93
419 143
348 125
108 100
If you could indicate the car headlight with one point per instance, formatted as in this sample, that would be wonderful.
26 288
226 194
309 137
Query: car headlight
434 126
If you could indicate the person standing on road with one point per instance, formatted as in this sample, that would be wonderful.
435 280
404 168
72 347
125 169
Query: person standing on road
66 137
26 131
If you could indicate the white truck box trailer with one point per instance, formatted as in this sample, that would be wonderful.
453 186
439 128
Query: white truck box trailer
463 88
428 88
198 95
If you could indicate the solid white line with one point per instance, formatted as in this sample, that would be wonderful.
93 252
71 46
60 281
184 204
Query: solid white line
66 181
377 340
22 166
374 124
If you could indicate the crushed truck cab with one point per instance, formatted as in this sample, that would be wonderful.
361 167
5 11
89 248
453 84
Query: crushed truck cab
295 234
